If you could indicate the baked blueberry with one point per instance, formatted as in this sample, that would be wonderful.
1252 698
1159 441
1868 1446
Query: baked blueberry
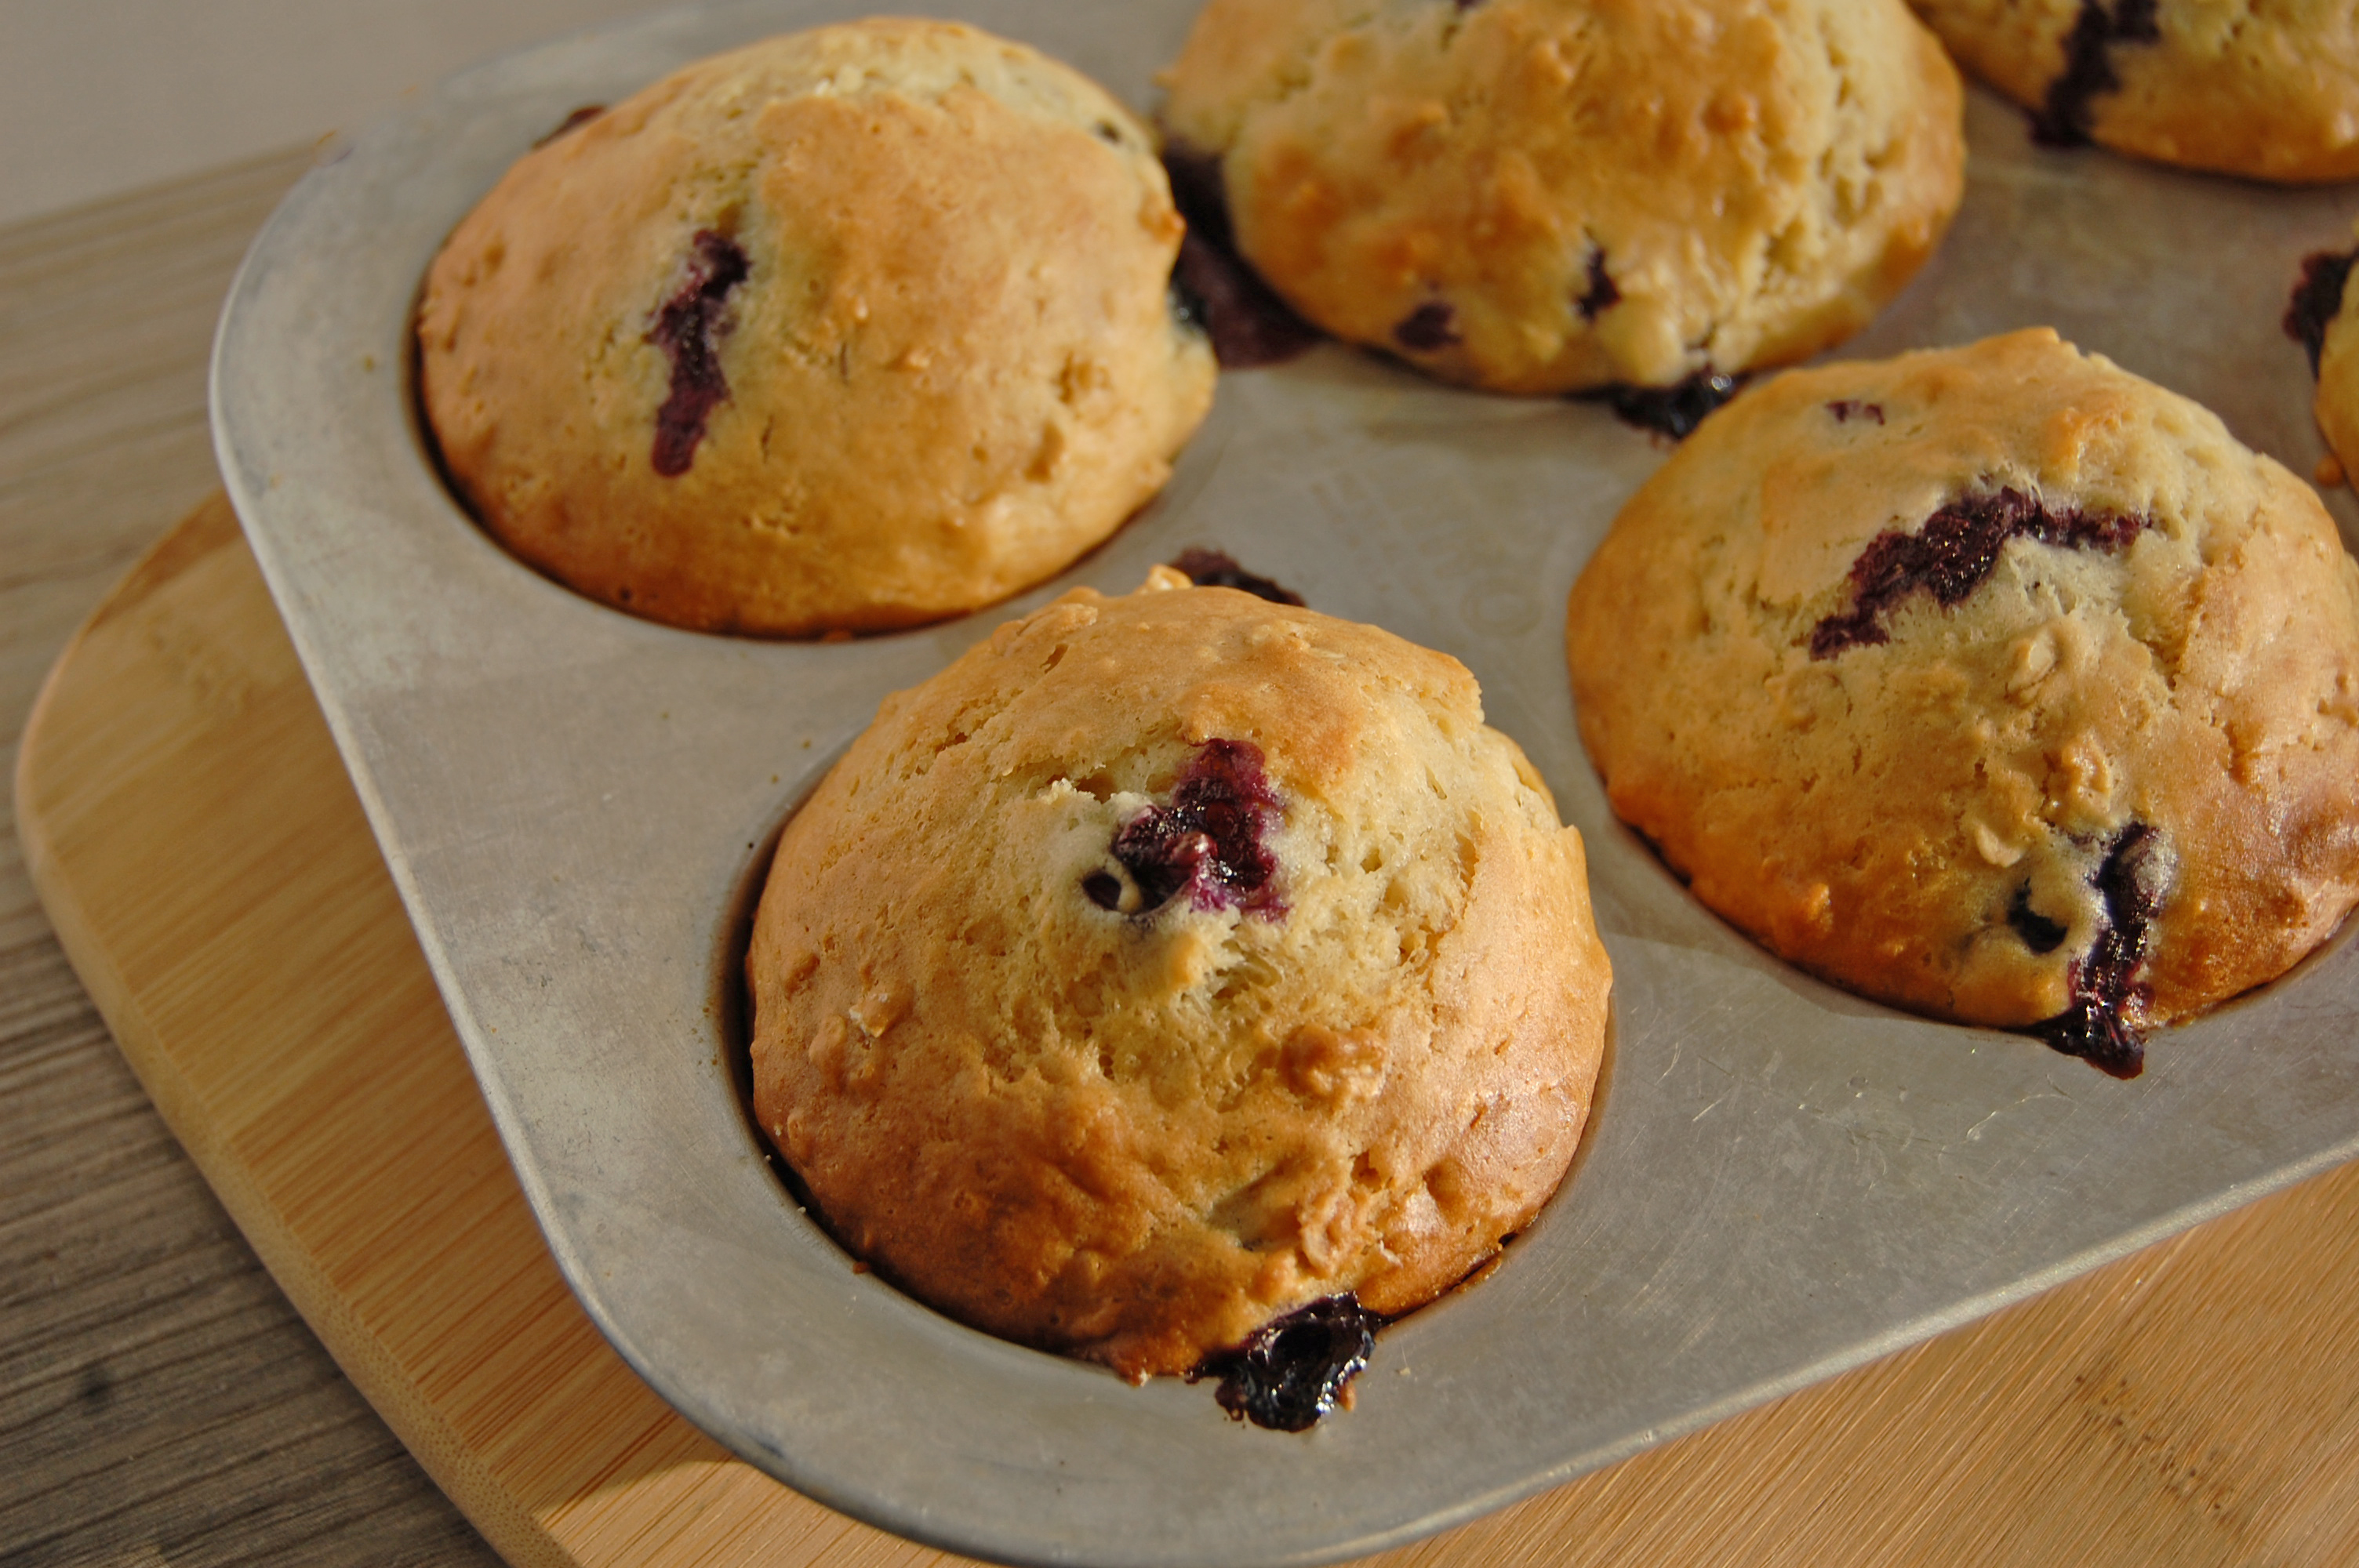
689 329
1207 840
1295 1370
2065 111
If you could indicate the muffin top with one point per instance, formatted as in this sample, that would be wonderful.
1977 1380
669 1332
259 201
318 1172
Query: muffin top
1171 962
1993 681
850 329
2267 88
1551 195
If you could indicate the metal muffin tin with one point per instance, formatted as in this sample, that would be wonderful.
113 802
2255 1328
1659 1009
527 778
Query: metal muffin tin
1782 1181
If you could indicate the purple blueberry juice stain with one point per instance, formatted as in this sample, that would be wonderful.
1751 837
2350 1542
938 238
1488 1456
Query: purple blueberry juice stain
1293 1370
573 122
1213 290
1952 555
2064 119
689 327
1846 409
1675 410
1207 843
2317 299
2106 994
1431 326
1218 568
1603 293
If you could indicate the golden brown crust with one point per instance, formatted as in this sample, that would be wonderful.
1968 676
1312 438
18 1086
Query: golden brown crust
1874 814
1754 178
1137 1136
2267 89
951 368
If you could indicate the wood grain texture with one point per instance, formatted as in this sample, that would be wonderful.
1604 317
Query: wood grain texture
209 868
160 1401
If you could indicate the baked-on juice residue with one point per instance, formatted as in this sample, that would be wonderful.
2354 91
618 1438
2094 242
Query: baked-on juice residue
1674 410
1218 568
1294 1369
689 327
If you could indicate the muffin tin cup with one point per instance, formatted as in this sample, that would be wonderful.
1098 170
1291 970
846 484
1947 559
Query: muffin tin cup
1782 1180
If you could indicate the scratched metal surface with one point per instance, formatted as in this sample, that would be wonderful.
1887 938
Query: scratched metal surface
1783 1181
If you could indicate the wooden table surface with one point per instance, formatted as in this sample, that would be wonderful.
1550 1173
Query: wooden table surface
160 1403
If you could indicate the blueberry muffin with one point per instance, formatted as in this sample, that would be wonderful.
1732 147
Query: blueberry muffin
1991 681
2264 88
2323 317
1545 196
852 328
1170 963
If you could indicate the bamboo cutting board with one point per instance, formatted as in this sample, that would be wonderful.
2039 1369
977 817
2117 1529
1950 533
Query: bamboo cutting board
206 864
